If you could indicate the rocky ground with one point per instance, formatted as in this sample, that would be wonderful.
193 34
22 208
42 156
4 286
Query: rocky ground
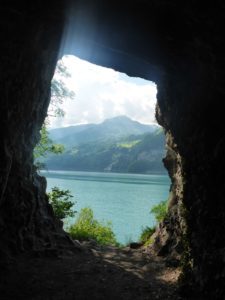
90 272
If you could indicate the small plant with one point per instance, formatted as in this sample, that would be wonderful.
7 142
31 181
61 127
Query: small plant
60 201
87 227
146 234
160 211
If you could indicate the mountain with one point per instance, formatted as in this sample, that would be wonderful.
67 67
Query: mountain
110 129
116 145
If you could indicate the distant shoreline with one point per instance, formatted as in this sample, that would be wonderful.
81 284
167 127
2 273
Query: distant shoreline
105 172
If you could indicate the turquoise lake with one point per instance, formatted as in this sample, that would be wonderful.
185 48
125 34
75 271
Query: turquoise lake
123 199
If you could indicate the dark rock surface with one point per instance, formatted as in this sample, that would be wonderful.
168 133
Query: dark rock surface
28 58
179 45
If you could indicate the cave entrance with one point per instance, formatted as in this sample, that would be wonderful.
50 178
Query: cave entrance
176 45
113 146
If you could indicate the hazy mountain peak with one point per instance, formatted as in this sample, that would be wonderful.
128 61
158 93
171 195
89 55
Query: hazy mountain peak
118 118
112 128
121 118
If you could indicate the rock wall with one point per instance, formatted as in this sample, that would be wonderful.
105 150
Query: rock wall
28 58
188 109
178 45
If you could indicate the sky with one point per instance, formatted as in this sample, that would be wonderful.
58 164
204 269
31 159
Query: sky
102 93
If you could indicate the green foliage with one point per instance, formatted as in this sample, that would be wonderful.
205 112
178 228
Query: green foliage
146 234
160 211
87 227
59 91
60 201
46 145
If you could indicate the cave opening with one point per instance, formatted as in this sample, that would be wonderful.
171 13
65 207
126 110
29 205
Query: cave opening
177 45
105 123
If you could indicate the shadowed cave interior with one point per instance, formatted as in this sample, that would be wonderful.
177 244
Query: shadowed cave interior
177 45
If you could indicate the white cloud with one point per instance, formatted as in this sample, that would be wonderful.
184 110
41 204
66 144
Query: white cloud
104 93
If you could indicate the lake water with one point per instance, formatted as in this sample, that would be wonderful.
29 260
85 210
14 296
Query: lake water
124 199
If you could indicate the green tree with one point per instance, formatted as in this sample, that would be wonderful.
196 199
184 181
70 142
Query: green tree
60 201
59 90
46 145
87 227
59 93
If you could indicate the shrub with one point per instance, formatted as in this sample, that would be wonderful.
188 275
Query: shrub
160 211
146 233
87 227
60 201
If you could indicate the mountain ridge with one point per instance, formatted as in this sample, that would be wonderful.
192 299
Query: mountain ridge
112 128
116 145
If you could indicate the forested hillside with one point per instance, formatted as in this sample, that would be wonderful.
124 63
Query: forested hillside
116 145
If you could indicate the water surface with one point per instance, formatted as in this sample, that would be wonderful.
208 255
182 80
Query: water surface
124 199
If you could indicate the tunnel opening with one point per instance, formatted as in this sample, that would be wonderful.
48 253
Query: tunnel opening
35 227
109 134
176 45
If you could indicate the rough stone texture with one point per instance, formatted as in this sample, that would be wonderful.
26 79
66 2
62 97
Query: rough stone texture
28 59
179 45
168 238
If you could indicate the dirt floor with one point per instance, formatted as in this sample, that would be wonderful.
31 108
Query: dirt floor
90 272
